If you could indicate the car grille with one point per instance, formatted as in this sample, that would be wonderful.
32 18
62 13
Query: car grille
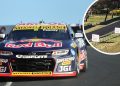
32 65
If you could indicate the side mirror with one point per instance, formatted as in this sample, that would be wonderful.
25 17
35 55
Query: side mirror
2 36
79 35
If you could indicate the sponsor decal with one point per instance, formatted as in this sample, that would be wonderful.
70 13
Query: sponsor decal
53 27
3 69
42 44
44 27
31 56
32 73
30 40
73 45
64 68
82 55
65 59
37 44
27 27
64 64
60 52
4 60
67 62
36 40
11 45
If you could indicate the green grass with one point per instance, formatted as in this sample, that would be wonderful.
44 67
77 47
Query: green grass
96 19
109 43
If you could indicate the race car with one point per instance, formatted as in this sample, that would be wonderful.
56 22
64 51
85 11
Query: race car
40 50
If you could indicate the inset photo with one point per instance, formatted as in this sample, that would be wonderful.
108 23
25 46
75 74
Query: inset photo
102 26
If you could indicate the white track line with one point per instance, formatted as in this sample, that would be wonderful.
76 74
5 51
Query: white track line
8 84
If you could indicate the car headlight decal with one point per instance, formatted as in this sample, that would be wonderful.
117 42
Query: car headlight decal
60 52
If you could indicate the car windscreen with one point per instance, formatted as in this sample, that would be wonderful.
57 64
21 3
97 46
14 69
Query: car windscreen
40 34
76 29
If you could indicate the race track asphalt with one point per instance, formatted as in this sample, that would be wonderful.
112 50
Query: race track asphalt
103 70
104 30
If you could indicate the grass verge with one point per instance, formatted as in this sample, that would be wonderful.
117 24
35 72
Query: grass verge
109 43
95 20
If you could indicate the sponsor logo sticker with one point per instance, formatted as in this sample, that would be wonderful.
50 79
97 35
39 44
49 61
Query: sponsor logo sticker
31 56
3 61
65 59
3 69
32 73
41 27
36 44
67 62
64 68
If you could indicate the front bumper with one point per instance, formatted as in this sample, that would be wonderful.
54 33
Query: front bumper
7 70
67 74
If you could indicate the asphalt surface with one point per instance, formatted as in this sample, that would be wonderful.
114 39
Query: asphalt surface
104 30
103 70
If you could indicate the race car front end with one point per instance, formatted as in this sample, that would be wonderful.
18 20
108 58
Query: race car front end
39 50
56 63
